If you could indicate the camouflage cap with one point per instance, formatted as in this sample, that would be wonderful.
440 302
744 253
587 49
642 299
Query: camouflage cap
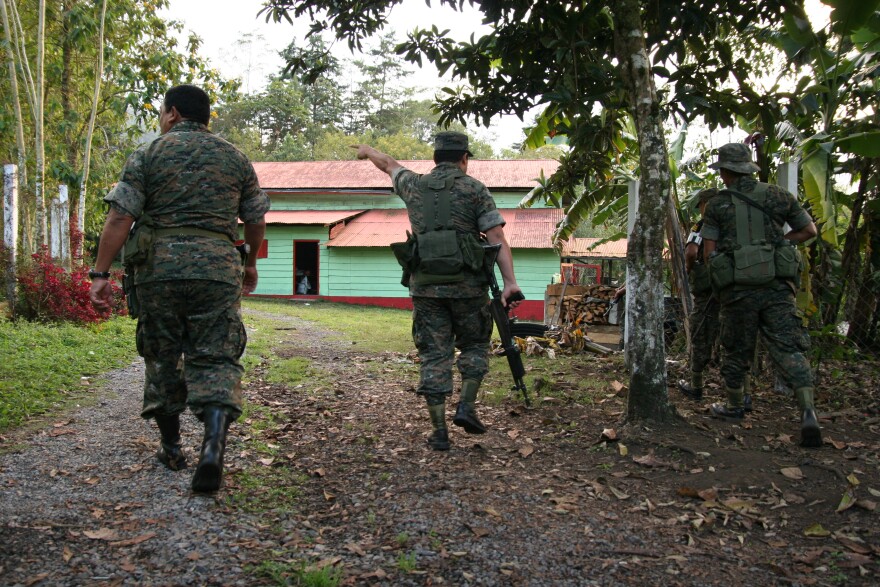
735 157
701 197
451 141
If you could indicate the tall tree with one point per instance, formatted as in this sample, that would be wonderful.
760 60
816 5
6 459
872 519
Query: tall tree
579 59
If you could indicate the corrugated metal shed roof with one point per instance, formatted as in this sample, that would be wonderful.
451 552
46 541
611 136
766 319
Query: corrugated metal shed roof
363 175
321 217
580 247
525 229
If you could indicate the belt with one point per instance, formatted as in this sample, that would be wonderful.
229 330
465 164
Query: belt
191 231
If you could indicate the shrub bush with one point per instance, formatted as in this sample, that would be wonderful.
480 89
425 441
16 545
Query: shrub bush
49 293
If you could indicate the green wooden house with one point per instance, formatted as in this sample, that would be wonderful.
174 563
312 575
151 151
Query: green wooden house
333 222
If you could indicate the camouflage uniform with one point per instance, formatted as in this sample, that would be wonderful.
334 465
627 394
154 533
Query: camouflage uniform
704 323
769 309
446 316
189 329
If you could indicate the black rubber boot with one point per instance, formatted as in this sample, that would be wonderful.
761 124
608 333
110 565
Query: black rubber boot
439 439
694 393
209 471
722 412
170 451
811 434
465 413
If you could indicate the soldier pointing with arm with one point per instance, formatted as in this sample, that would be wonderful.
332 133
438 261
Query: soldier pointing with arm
187 189
447 211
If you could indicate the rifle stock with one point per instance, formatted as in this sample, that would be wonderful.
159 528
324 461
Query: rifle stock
502 322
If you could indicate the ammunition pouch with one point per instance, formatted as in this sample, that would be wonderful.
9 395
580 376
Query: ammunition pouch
139 245
440 255
721 271
407 257
754 265
788 261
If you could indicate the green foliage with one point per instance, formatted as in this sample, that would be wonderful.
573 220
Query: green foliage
142 58
43 365
298 574
407 562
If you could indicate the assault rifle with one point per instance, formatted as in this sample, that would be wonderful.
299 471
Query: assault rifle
502 321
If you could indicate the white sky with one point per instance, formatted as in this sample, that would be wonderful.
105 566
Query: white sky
223 24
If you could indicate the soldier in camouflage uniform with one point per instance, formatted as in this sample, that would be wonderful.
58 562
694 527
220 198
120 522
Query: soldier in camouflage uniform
704 323
187 188
451 315
768 308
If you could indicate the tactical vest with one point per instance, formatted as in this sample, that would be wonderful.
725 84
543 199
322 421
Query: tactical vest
438 254
754 261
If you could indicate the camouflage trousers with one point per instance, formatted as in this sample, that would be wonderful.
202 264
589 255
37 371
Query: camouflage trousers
705 326
772 313
440 325
191 337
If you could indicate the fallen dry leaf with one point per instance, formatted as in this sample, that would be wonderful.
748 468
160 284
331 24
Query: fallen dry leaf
609 434
526 451
792 472
101 534
816 531
513 434
846 501
649 461
67 554
622 449
135 540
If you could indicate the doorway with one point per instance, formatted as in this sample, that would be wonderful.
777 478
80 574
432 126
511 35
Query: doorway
305 268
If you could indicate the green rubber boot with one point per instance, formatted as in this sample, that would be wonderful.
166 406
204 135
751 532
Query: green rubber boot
811 434
439 439
465 413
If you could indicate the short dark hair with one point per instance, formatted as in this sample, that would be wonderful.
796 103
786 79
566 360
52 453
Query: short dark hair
192 102
447 156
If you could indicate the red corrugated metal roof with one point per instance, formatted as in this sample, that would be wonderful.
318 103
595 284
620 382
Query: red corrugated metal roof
322 217
524 229
581 247
363 175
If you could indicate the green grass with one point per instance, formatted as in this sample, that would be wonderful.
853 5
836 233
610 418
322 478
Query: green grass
368 328
42 365
297 573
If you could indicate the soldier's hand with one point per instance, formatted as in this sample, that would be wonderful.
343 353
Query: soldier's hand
249 284
511 291
362 151
101 295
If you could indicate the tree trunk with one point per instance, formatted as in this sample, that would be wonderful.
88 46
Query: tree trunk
16 106
87 155
648 396
40 155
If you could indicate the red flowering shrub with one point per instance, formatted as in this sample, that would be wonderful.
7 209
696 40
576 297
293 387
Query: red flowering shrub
49 293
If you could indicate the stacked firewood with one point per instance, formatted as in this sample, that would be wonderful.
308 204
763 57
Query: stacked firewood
591 307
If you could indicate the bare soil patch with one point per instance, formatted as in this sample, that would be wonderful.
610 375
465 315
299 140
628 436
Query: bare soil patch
334 473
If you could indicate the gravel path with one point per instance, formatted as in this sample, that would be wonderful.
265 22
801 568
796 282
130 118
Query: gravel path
334 473
85 502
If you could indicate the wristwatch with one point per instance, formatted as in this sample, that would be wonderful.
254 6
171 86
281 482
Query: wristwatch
99 274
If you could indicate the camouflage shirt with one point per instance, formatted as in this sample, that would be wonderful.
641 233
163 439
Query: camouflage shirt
719 221
191 177
472 210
